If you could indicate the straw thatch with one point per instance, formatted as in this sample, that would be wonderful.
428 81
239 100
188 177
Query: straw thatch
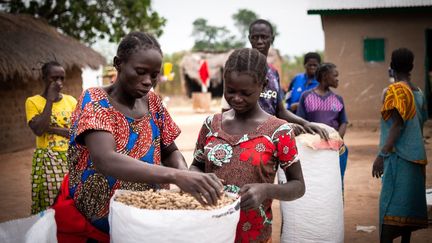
27 41
191 62
190 65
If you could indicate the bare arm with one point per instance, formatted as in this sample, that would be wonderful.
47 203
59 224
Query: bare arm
172 157
107 161
342 129
64 132
394 133
288 116
254 194
293 189
40 124
197 166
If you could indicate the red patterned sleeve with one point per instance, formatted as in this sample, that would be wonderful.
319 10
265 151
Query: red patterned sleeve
90 115
203 138
168 128
286 146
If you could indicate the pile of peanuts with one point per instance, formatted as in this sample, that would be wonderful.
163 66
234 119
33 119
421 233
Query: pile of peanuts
167 200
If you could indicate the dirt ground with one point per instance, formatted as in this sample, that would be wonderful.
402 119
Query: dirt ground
361 190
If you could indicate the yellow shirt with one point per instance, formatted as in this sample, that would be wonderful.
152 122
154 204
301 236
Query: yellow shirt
60 117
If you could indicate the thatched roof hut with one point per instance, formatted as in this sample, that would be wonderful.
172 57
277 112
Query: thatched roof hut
27 41
190 64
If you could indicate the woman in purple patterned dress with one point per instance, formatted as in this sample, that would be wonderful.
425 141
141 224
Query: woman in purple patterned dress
322 105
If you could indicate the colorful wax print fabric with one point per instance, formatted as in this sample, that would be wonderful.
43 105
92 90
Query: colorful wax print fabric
247 158
141 139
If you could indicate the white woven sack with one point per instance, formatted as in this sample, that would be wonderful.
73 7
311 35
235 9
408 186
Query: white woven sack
318 215
37 228
130 224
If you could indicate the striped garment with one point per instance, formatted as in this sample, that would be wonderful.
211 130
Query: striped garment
399 96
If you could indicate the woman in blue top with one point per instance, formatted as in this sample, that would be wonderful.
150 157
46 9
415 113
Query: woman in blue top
402 158
303 81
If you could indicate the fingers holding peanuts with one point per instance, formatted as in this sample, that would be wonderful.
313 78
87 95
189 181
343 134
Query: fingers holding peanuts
212 189
199 198
208 186
252 195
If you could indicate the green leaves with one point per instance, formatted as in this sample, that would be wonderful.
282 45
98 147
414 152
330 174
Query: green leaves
219 38
91 20
242 19
213 38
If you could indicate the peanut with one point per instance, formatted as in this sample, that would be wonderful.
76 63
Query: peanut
167 200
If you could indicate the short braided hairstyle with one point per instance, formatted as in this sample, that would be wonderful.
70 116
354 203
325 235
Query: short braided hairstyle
46 67
135 41
247 61
402 60
323 69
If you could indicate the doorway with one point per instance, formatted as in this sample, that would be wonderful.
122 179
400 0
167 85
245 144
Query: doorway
428 71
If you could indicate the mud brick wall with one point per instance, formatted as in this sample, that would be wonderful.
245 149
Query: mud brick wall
14 132
360 82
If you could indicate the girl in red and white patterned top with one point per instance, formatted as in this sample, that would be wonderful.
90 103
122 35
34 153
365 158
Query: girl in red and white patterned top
245 145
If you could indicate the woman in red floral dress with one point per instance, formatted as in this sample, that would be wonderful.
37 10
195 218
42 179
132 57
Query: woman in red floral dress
245 145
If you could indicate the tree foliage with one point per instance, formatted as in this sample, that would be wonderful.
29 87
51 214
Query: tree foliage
89 20
242 19
213 38
219 38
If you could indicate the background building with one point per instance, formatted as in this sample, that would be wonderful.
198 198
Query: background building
359 39
190 64
26 43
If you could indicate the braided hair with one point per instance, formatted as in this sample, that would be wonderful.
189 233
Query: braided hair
247 61
46 67
402 60
311 55
324 69
135 41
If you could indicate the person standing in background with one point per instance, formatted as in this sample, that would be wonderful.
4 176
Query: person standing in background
303 81
323 106
401 160
261 37
49 116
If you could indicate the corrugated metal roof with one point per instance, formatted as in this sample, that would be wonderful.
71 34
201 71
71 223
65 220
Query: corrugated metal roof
316 5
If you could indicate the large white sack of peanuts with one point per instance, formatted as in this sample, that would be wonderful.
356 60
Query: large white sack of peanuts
40 227
132 224
318 215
